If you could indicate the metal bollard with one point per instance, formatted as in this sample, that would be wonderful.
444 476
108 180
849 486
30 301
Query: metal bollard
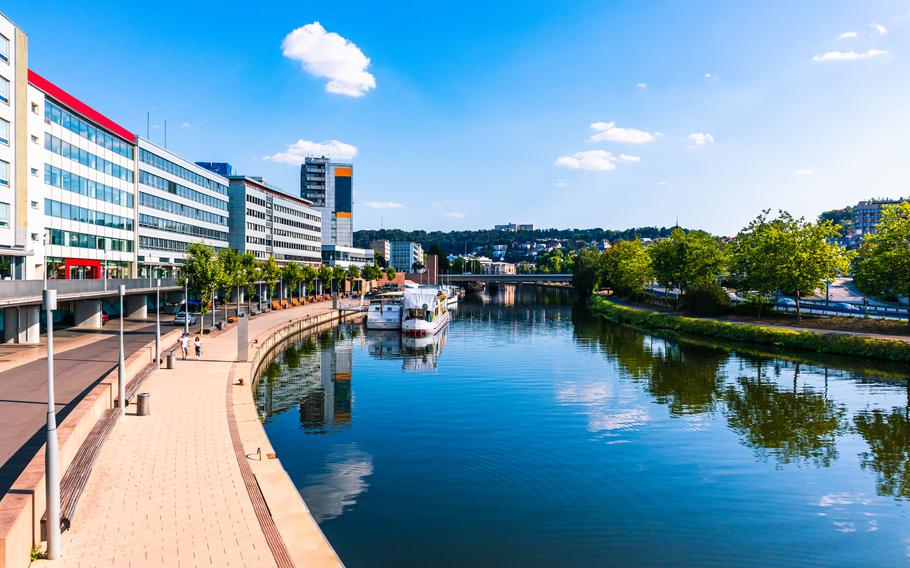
142 404
170 360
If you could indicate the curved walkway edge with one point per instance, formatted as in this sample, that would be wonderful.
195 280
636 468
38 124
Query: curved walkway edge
179 487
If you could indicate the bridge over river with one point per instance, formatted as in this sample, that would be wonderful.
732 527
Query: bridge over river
504 278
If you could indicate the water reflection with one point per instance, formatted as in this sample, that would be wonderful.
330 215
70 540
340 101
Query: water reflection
417 354
797 424
329 492
888 436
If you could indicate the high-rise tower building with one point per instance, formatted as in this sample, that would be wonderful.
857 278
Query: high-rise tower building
330 186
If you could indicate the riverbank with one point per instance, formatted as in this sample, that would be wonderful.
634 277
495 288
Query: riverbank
180 485
818 341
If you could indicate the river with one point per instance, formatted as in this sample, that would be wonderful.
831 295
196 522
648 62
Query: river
528 434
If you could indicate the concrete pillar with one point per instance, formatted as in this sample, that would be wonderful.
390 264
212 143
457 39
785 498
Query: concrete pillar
29 324
87 314
10 325
135 306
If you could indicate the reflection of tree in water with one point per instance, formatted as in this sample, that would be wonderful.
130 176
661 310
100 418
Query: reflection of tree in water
888 436
793 424
686 377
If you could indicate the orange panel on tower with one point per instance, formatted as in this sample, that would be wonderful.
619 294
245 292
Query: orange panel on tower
344 172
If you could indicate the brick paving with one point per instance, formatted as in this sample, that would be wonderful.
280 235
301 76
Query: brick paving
167 489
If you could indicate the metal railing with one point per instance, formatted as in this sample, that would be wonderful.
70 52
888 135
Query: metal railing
27 290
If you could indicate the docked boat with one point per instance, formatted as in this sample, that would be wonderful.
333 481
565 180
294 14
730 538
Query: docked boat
451 292
384 312
424 311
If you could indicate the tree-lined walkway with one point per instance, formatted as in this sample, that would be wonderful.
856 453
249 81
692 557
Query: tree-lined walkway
167 489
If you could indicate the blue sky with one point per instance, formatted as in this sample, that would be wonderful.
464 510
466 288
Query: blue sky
561 114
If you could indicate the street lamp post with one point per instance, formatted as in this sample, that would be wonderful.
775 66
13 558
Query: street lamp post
186 306
121 365
52 451
158 323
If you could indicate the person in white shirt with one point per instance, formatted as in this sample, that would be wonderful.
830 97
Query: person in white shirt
185 345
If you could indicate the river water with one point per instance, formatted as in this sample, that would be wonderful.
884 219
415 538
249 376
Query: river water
531 435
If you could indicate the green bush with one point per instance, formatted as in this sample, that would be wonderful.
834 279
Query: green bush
708 300
854 346
755 305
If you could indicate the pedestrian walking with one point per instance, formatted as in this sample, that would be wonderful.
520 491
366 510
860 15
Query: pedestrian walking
198 345
185 345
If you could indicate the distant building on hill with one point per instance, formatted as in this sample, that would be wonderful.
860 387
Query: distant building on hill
867 214
513 228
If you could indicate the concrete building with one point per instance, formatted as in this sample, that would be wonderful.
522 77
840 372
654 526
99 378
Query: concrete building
330 187
382 248
336 255
268 222
499 251
16 245
404 254
82 180
513 228
179 203
502 268
867 214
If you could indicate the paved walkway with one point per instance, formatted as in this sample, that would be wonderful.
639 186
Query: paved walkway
167 489
82 360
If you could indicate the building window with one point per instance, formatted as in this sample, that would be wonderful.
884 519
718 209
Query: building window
34 108
4 173
4 90
4 48
4 215
34 139
4 132
35 172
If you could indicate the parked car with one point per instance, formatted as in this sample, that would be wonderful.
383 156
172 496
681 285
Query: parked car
181 317
785 301
845 306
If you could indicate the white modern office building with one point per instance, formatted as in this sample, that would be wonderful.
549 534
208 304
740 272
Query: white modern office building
179 203
268 222
81 188
16 248
404 254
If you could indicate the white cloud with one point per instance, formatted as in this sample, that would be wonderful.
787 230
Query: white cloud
560 183
879 29
803 172
186 125
700 138
641 85
661 182
609 132
384 204
327 54
453 215
848 55
295 153
594 160
847 35
710 76
628 158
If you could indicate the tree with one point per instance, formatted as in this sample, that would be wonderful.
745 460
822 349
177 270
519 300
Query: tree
587 273
338 275
440 256
883 266
371 273
787 255
251 267
270 273
390 273
291 275
325 276
418 266
309 275
203 271
687 260
353 273
234 273
626 267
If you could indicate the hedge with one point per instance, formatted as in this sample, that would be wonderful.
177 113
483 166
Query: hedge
851 345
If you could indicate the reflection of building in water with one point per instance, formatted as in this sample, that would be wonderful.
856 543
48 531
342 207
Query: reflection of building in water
508 295
330 403
384 344
421 354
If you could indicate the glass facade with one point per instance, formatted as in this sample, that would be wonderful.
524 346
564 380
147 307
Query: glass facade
71 182
158 182
166 165
86 158
151 222
155 202
82 240
83 215
73 123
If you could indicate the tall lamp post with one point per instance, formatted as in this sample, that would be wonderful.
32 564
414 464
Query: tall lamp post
186 306
158 323
52 451
121 365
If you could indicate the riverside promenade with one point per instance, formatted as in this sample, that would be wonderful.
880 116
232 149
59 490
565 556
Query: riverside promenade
169 489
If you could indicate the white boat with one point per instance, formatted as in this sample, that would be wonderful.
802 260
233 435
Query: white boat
424 312
384 311
451 292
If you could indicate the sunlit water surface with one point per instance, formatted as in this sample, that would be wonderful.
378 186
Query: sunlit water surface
527 435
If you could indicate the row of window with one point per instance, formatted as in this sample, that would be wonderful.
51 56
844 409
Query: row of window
83 215
4 173
154 243
298 224
86 158
255 227
81 240
189 175
182 228
4 131
296 258
73 123
4 90
161 204
295 235
175 188
296 213
255 213
77 184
